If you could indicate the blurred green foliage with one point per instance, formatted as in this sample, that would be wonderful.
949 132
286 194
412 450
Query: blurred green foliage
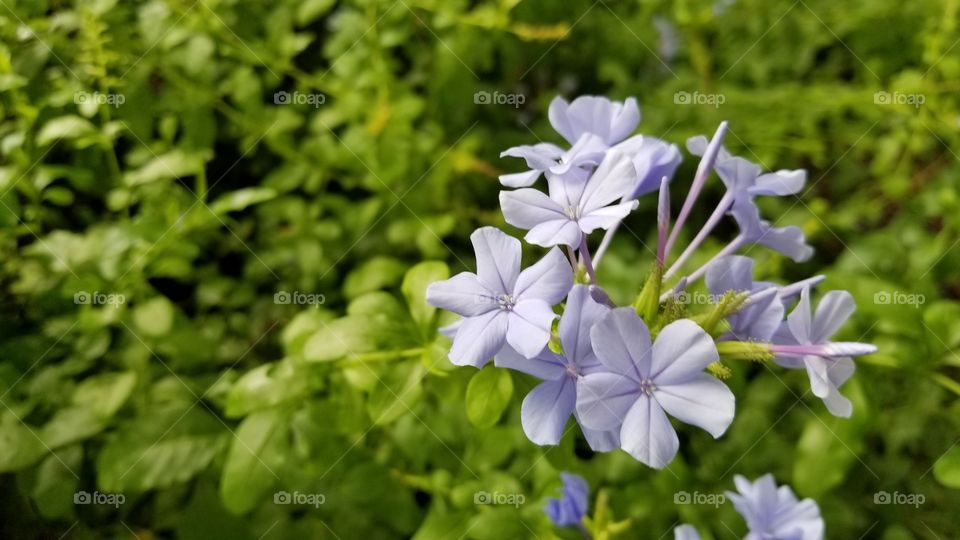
213 299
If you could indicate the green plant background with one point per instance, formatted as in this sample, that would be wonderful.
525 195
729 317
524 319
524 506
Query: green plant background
199 199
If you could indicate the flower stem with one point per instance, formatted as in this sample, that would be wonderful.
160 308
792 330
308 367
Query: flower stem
731 248
708 227
587 263
605 243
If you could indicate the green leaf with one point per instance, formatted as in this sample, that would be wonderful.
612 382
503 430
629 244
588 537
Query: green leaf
415 291
64 127
396 393
265 386
947 469
374 274
488 395
19 447
240 199
247 479
500 522
154 317
169 166
104 394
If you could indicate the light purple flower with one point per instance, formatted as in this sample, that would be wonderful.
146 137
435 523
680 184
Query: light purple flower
579 203
645 382
762 312
547 407
744 182
612 121
500 304
803 342
572 505
774 513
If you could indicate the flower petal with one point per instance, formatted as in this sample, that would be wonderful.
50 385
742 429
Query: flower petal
606 217
498 259
681 352
704 402
547 365
614 178
529 326
462 294
479 339
800 320
520 179
731 273
550 279
600 440
546 409
789 241
647 435
685 532
833 310
603 399
782 182
527 208
558 232
622 343
538 156
579 316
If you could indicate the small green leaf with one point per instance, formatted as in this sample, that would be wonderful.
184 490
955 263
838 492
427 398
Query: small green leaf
172 165
154 317
64 127
246 479
240 199
947 469
19 447
415 291
372 275
488 395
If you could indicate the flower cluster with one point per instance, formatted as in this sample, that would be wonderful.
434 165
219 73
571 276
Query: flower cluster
771 512
621 372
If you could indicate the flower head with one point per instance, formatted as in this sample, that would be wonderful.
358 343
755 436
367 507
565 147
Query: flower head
547 407
579 203
572 505
500 304
645 382
803 342
774 513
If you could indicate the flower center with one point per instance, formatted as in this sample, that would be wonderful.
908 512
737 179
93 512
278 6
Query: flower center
572 212
647 387
505 301
572 371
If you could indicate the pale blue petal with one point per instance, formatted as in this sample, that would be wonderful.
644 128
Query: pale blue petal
622 343
462 294
800 319
546 365
685 532
546 409
647 435
682 351
833 310
529 326
479 339
498 259
731 273
612 180
550 279
579 315
704 402
603 399
779 183
520 179
526 208
558 232
606 217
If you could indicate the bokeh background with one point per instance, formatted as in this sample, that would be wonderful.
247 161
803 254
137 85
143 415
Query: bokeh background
214 217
